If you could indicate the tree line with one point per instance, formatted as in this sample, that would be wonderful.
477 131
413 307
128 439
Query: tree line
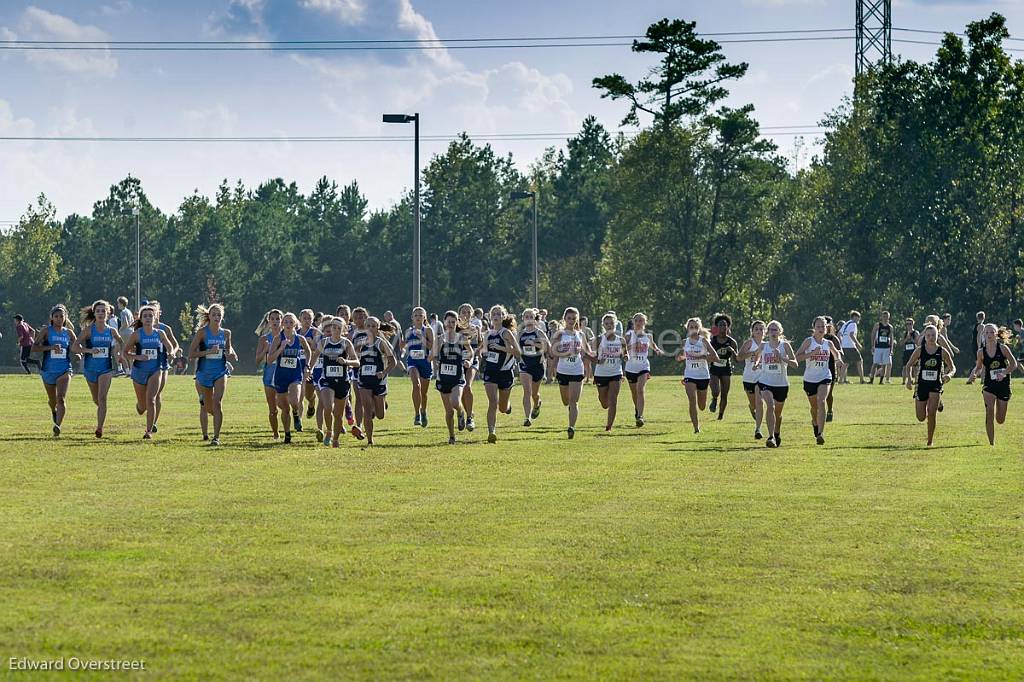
913 205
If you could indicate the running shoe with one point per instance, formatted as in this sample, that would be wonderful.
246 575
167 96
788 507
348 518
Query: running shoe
451 440
327 440
757 434
462 421
215 442
357 433
56 430
147 436
713 405
778 440
423 420
821 439
527 422
154 427
287 437
770 443
492 437
310 411
99 433
640 421
416 420
572 432
349 417
828 416
298 424
536 410
470 424
319 434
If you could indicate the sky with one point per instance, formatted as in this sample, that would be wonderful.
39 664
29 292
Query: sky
290 93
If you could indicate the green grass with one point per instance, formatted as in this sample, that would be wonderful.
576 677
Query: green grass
652 553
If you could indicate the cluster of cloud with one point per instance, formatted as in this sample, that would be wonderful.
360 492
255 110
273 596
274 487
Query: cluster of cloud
39 24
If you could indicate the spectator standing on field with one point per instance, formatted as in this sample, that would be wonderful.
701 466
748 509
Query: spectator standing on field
25 333
125 320
852 345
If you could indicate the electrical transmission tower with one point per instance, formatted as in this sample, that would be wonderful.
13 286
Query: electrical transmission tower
874 34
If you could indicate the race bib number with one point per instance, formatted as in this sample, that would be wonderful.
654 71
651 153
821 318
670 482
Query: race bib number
572 359
696 364
611 362
773 368
150 353
59 353
216 352
532 351
103 352
819 364
640 357
492 356
334 371
449 369
416 354
930 375
368 370
289 362
997 374
910 346
720 363
882 338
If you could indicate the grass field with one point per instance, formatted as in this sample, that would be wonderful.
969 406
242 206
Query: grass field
651 553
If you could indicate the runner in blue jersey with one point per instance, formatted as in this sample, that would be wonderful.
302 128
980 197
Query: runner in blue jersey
165 355
142 351
311 332
54 341
287 350
268 330
416 344
100 343
211 348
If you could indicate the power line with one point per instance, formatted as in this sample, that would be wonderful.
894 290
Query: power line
942 33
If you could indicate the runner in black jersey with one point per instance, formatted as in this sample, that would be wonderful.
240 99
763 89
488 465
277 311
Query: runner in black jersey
376 360
881 343
473 330
533 341
335 354
721 367
935 368
997 363
500 351
449 357
909 344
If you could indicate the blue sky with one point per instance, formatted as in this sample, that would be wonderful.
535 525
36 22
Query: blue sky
479 91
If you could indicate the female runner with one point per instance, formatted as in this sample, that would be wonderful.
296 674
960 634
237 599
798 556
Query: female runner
101 345
474 332
54 341
752 374
569 346
268 330
287 351
500 351
697 350
376 360
816 351
449 355
165 356
909 343
211 348
639 345
608 367
142 351
721 367
830 334
935 368
308 329
336 355
415 346
775 356
996 364
534 344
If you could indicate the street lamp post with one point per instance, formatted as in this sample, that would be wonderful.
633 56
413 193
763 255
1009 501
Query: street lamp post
415 120
138 258
536 270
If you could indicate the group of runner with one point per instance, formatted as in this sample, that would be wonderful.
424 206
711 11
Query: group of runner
339 366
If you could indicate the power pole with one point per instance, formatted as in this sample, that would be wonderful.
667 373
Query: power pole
874 34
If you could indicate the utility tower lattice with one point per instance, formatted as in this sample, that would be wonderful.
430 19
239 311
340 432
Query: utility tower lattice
874 34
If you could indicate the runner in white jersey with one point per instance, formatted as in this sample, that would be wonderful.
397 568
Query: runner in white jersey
697 352
569 346
639 345
852 345
775 356
752 373
608 367
816 350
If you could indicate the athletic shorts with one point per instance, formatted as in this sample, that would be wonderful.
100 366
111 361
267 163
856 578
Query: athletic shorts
923 389
882 356
749 386
851 356
141 376
447 387
377 386
268 375
503 379
602 382
633 377
93 375
51 378
1001 390
422 366
282 386
811 387
779 393
701 384
719 371
26 353
339 385
315 376
534 369
906 357
208 380
566 379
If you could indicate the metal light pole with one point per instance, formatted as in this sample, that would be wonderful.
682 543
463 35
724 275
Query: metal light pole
536 269
414 119
138 259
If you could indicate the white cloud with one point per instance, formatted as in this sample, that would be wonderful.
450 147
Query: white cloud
14 127
215 121
38 24
345 11
116 8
